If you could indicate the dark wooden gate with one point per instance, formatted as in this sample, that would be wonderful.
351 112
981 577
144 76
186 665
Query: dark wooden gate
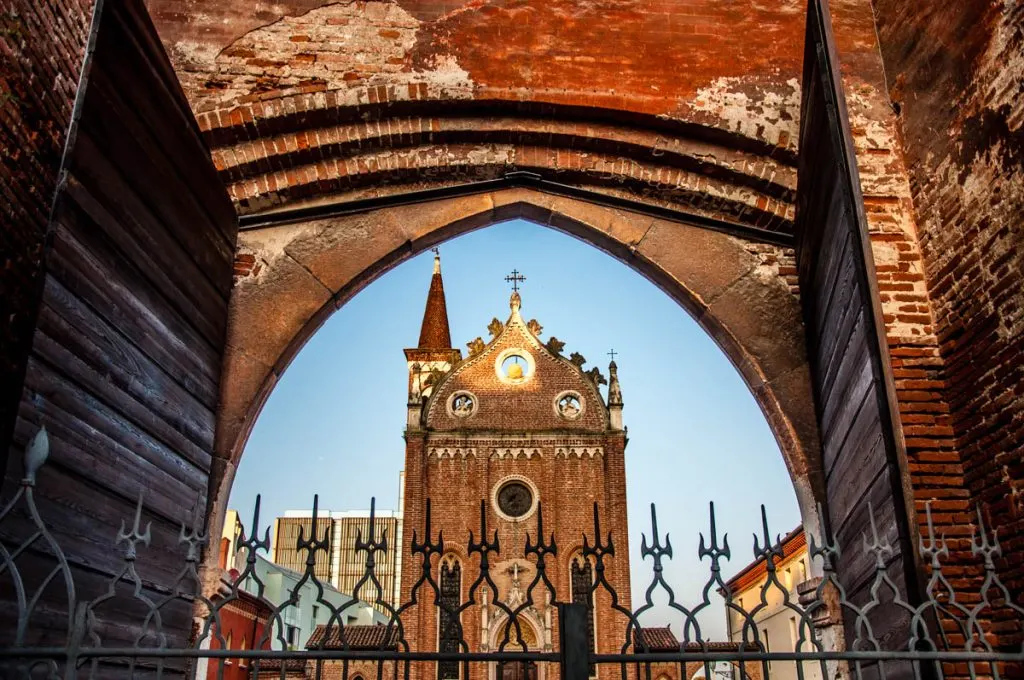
846 339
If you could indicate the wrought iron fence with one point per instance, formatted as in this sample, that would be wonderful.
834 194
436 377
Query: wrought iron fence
949 634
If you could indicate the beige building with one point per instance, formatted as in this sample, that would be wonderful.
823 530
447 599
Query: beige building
345 565
778 626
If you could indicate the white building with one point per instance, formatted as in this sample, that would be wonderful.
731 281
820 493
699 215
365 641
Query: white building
778 626
279 585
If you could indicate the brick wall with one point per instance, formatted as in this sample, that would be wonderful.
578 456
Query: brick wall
961 114
932 471
43 45
515 432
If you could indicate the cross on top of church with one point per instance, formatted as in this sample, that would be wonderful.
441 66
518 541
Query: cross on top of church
612 354
515 278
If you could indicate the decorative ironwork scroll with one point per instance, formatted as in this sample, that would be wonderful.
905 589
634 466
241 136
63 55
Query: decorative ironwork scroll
55 631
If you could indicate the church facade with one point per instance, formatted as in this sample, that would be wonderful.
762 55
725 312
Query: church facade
511 431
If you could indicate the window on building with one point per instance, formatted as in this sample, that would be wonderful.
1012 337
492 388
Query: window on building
448 623
787 579
292 632
767 645
582 578
792 631
316 614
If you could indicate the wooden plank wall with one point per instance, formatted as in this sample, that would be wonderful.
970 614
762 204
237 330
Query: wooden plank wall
847 352
125 365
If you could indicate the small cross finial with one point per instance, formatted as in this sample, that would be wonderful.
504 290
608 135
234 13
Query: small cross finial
436 251
612 354
515 278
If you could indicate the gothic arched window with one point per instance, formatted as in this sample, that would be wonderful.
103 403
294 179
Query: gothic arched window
582 580
448 626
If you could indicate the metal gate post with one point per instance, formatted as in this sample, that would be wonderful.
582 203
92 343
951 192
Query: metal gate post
573 646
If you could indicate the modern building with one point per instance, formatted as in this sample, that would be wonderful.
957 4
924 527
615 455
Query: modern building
346 564
494 435
778 627
280 583
245 618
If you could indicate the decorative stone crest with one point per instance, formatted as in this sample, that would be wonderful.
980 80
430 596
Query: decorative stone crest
577 359
554 345
476 346
495 327
534 327
596 376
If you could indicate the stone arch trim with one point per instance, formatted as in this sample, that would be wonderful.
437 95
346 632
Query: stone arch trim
305 148
293 277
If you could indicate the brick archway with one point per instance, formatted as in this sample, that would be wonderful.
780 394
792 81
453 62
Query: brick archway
742 293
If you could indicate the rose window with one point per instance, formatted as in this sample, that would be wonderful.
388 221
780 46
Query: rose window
569 405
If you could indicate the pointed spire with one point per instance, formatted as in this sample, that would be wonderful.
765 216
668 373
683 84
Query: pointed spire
614 390
434 334
614 395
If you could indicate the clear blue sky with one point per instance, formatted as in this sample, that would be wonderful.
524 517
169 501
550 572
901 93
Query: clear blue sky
333 425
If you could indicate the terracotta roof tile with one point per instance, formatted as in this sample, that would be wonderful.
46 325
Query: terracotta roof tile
656 639
271 668
664 640
357 637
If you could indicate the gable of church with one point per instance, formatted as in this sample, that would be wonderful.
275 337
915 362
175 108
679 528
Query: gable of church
515 383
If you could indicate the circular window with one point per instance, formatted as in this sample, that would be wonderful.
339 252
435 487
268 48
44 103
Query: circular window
515 498
462 404
514 366
569 405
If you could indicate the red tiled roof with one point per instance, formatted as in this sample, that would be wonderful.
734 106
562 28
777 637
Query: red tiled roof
294 668
656 640
791 543
357 637
664 640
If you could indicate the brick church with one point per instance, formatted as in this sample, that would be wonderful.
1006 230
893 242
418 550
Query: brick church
517 426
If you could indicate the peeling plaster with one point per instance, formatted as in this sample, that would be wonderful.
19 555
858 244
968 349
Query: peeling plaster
348 47
747 107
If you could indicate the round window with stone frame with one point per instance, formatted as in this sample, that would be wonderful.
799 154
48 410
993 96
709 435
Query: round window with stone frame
514 366
514 498
462 404
570 405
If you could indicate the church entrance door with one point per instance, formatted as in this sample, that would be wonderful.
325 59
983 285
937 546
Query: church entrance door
518 670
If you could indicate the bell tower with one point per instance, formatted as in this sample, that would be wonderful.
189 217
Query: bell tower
433 356
513 431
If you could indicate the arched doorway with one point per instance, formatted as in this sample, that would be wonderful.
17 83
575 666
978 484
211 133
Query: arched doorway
299 274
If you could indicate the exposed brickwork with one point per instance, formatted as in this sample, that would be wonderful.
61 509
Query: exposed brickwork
604 55
962 115
923 427
310 98
43 45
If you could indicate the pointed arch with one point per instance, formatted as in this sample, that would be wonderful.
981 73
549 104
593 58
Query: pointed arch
581 586
448 624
